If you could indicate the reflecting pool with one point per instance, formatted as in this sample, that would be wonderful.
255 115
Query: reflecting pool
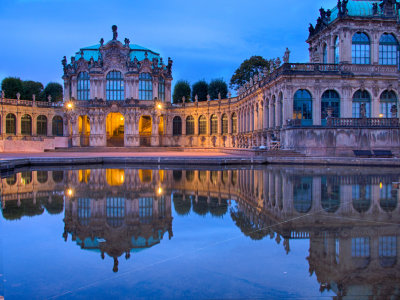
264 232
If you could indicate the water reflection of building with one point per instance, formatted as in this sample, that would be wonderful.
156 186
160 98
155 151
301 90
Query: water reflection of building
350 216
351 220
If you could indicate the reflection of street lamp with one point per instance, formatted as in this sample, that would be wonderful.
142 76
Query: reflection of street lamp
159 191
70 192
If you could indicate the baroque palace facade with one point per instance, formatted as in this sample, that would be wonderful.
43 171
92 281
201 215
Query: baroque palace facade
119 94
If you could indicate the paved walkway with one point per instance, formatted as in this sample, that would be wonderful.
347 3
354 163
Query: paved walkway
172 154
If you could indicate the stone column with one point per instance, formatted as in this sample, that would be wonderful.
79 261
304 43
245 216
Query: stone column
266 115
76 142
345 47
18 124
168 91
374 49
50 125
316 107
155 88
196 125
73 87
34 125
375 111
278 114
271 115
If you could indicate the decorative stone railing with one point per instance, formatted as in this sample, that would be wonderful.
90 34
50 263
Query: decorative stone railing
362 122
5 101
351 123
313 69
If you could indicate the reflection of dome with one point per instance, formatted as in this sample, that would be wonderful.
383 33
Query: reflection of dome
115 224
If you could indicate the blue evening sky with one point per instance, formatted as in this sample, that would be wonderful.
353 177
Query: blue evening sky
206 39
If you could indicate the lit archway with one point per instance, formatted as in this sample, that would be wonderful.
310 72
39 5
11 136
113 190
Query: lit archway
84 130
115 128
145 130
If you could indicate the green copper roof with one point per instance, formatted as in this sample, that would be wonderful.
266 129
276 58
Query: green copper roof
357 8
136 51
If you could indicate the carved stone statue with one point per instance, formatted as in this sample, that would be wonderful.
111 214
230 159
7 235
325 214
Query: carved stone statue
183 99
33 97
3 95
363 111
374 8
18 96
196 98
229 95
208 97
219 96
277 63
101 42
64 61
169 66
311 29
393 111
115 33
49 98
127 41
286 57
344 7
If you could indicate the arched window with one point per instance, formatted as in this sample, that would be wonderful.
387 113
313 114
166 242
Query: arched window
202 125
213 124
325 54
234 123
388 50
330 195
189 125
302 194
361 196
146 210
26 177
359 98
58 176
84 211
57 126
337 50
177 126
388 99
330 99
115 211
26 125
145 87
42 176
302 107
41 125
11 122
83 88
360 49
115 86
224 124
161 89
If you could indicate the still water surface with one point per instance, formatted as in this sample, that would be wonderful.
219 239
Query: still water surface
269 232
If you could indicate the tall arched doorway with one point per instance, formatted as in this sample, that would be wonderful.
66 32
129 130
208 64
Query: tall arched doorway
145 130
115 128
84 130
